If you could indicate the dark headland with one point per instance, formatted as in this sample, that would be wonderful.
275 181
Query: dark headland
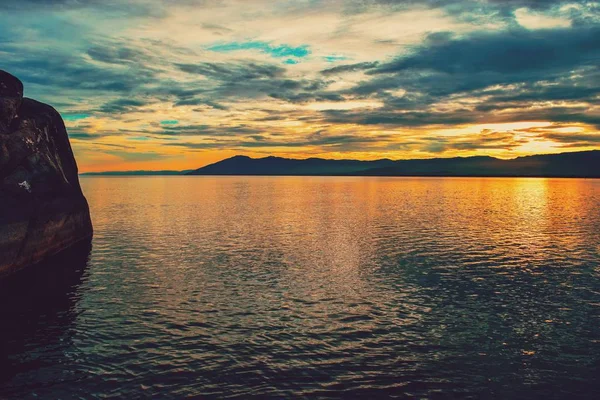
583 164
42 208
579 164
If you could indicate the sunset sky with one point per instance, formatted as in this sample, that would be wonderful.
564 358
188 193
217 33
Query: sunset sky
177 84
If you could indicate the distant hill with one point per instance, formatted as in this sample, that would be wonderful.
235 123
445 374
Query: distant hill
585 164
136 173
242 165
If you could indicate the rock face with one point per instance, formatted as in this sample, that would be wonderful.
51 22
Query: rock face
42 208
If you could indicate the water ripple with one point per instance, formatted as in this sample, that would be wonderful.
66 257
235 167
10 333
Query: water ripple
241 287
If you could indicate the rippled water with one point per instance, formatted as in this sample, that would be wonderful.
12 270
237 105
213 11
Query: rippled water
318 287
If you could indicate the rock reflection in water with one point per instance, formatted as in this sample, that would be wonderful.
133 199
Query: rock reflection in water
39 305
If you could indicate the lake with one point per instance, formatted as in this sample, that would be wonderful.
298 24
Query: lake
280 287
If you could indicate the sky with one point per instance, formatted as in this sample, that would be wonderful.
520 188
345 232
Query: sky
178 84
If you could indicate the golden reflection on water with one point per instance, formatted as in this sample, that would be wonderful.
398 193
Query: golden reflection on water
338 223
273 286
316 238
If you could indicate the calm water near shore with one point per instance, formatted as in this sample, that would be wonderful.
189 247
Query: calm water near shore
281 287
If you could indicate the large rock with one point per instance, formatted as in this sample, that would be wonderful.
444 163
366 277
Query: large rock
11 95
42 208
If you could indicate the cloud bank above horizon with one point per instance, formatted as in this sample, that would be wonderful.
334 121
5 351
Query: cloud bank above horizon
177 84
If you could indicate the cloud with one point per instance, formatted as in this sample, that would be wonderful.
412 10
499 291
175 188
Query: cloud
464 80
535 20
208 130
121 106
134 156
115 54
366 78
216 28
319 139
79 135
251 80
61 4
485 140
574 139
75 117
233 71
62 70
507 53
350 68
401 119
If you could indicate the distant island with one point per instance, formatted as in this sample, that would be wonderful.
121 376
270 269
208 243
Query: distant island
584 164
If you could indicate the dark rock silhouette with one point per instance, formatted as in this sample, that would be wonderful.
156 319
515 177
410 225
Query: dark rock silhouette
42 208
39 302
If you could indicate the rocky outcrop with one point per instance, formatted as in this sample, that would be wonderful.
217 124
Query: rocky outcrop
42 208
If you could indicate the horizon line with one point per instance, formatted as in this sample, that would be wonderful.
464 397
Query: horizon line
150 171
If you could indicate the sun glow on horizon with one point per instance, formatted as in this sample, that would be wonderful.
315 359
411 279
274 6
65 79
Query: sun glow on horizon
159 86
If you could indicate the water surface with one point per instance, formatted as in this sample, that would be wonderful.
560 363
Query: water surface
316 287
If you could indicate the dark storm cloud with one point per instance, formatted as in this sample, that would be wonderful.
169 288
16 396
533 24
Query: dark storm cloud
555 114
122 106
115 54
533 4
394 118
513 4
504 53
98 73
306 96
443 68
250 80
232 72
466 10
70 71
532 93
13 4
502 70
195 101
75 75
120 7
